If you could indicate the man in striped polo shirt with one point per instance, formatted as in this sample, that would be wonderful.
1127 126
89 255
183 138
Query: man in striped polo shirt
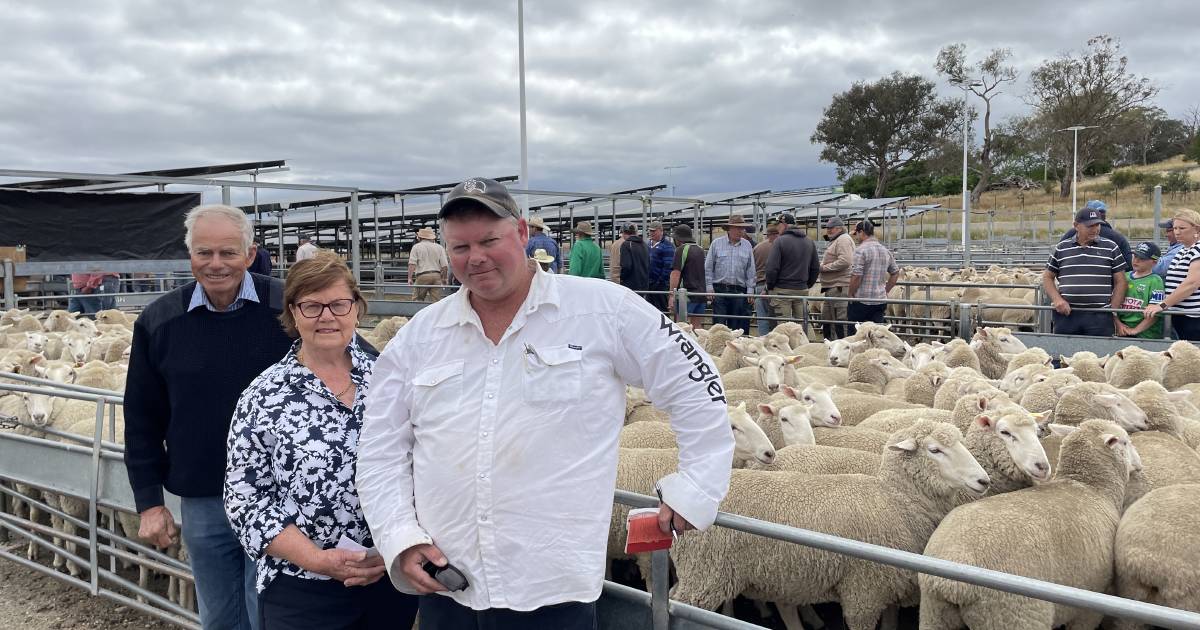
1090 271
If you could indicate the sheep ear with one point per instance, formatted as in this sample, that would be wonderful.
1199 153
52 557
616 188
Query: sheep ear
1061 430
737 333
1110 440
936 380
1167 354
937 344
985 422
794 359
791 392
732 346
1180 396
907 445
741 407
1108 400
887 326
750 360
1065 360
1048 362
1040 418
828 343
1120 354
982 403
766 409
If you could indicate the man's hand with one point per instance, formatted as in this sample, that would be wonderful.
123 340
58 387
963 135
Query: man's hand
157 527
667 516
411 561
1061 306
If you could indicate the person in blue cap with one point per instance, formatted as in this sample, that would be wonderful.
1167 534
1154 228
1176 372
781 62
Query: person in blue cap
1106 231
1173 247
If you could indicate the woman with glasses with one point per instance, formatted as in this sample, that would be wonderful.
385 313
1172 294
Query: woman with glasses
1183 278
292 449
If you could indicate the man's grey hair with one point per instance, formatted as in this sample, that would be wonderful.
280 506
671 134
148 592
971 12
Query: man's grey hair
229 213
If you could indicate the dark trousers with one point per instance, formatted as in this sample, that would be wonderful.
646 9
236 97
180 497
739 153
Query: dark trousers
661 300
439 612
1081 323
292 603
859 312
1186 328
739 307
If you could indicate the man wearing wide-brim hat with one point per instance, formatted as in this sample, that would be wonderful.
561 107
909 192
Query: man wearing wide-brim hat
586 259
835 277
427 266
729 269
538 239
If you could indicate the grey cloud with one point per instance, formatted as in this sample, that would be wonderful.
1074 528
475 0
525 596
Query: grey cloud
407 93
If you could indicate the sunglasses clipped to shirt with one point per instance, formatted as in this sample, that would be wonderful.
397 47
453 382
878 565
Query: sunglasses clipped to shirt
313 310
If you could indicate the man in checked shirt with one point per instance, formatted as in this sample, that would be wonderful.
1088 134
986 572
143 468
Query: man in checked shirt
490 435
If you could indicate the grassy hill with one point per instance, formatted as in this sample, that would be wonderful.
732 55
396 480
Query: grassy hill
1027 213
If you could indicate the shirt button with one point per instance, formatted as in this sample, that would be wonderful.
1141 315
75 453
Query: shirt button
483 518
491 395
495 361
482 476
485 434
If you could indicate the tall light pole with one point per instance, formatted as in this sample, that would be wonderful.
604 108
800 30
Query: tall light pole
521 77
1075 164
965 85
668 169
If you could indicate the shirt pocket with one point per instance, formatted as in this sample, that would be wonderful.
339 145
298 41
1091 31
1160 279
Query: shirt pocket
553 374
437 393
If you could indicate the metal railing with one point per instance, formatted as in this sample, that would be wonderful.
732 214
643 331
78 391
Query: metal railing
997 580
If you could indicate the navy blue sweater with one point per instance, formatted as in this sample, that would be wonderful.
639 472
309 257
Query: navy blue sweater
186 372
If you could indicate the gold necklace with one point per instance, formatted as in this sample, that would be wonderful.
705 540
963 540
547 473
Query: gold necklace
300 360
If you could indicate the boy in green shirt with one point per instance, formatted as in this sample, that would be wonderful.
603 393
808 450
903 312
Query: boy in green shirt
1145 288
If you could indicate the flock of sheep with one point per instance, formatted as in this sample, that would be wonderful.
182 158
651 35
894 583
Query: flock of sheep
982 453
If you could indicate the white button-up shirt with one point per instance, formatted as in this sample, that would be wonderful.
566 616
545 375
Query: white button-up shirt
504 455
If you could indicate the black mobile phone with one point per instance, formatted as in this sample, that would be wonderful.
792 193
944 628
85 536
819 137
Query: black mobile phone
448 576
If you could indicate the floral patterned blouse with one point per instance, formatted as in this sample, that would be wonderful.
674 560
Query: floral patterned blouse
291 451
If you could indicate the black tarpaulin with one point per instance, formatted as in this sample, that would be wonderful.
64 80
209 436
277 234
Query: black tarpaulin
56 226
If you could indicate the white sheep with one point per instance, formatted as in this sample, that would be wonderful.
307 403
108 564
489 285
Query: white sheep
991 346
871 371
1098 400
1132 365
59 321
1151 563
1061 531
957 353
1029 356
1046 389
1017 381
735 351
1086 365
962 380
920 474
749 440
920 355
922 387
765 373
1181 365
856 406
788 422
1167 460
794 331
821 460
840 351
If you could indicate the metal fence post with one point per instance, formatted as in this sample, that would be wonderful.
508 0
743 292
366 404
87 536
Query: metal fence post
10 279
93 499
964 320
681 300
225 195
660 591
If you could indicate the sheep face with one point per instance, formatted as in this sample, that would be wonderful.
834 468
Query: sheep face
84 326
1016 382
78 346
1019 431
1003 338
920 356
943 448
35 341
1123 411
894 368
59 320
794 421
1113 437
842 350
819 401
777 343
749 440
40 408
770 370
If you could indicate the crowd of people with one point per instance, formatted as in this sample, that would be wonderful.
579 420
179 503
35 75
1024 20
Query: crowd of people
1098 285
743 282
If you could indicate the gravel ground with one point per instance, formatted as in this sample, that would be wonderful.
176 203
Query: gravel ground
35 601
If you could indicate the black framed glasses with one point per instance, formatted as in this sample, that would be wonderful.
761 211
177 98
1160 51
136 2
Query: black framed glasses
313 310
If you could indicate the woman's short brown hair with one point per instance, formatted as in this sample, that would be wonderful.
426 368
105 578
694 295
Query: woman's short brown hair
315 274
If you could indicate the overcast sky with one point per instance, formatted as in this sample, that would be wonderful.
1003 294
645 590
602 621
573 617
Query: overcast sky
408 93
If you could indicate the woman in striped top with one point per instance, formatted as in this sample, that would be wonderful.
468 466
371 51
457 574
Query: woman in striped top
1183 278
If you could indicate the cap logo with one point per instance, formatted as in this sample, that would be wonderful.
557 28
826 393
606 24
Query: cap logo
474 186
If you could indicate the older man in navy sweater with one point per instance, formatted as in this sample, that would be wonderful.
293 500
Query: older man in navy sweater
194 350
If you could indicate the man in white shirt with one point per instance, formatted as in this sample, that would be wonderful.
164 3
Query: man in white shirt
490 434
427 266
306 249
